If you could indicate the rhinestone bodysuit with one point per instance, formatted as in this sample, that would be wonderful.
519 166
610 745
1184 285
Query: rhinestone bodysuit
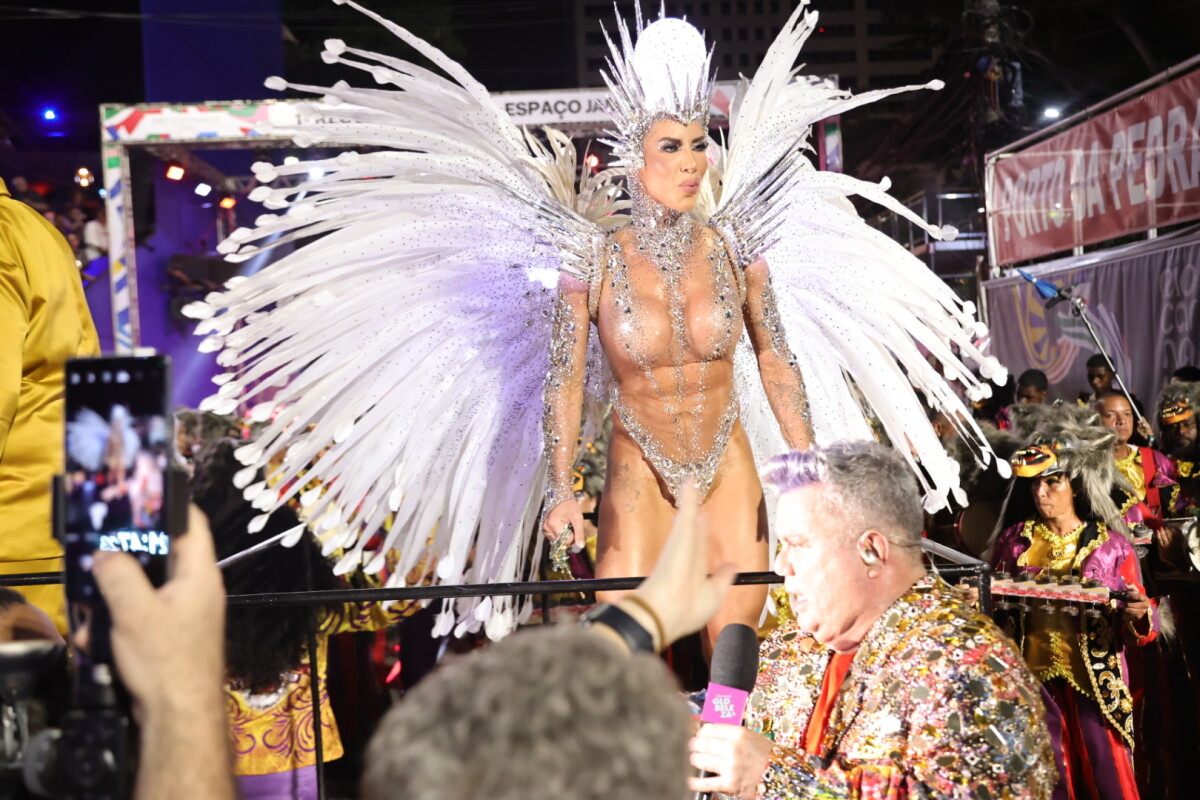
669 252
667 300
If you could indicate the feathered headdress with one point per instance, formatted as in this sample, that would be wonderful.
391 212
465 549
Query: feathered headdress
666 75
1068 440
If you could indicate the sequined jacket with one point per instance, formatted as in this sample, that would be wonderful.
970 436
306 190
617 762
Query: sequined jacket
1110 559
937 704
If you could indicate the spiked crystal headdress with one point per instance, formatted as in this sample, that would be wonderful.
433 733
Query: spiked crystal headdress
1069 440
665 75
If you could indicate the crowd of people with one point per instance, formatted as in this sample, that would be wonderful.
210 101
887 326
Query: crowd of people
78 214
881 681
1104 491
572 712
875 678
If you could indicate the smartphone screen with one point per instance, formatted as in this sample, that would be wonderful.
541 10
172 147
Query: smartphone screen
119 439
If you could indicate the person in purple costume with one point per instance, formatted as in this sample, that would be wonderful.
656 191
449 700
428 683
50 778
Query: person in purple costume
1063 520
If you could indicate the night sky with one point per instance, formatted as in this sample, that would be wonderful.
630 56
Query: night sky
75 61
1072 53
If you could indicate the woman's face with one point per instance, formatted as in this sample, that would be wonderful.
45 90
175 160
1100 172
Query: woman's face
676 160
1053 496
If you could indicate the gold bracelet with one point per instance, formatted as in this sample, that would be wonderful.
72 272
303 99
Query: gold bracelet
644 606
1134 631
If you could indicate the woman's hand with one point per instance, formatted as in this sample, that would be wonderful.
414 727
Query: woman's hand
1172 548
565 513
1137 606
1143 427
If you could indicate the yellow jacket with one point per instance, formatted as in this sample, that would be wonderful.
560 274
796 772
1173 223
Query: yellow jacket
44 320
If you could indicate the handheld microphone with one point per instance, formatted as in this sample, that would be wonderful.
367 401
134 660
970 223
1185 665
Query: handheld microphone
734 670
732 675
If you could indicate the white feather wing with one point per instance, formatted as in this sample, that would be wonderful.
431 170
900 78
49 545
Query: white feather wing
864 317
399 358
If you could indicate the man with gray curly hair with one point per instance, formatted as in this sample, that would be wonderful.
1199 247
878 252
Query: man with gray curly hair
887 684
551 713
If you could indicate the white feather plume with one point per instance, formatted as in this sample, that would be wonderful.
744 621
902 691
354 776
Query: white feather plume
399 354
860 311
402 353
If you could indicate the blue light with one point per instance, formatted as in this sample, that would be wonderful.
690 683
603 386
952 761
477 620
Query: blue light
49 114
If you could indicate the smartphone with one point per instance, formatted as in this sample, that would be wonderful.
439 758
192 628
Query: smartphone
119 451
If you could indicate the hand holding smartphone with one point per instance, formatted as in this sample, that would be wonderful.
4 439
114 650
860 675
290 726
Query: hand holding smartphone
119 447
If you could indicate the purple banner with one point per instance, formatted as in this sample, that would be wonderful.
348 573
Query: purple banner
1143 303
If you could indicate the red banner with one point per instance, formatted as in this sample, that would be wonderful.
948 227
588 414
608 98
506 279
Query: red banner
1130 169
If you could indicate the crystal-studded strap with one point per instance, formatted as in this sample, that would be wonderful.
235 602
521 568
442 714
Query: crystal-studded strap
727 238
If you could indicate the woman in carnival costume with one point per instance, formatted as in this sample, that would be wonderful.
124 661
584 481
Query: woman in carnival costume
467 300
1063 518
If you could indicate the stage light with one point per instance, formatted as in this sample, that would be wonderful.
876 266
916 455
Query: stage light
175 172
49 114
203 189
592 160
84 177
103 193
228 202
1051 113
